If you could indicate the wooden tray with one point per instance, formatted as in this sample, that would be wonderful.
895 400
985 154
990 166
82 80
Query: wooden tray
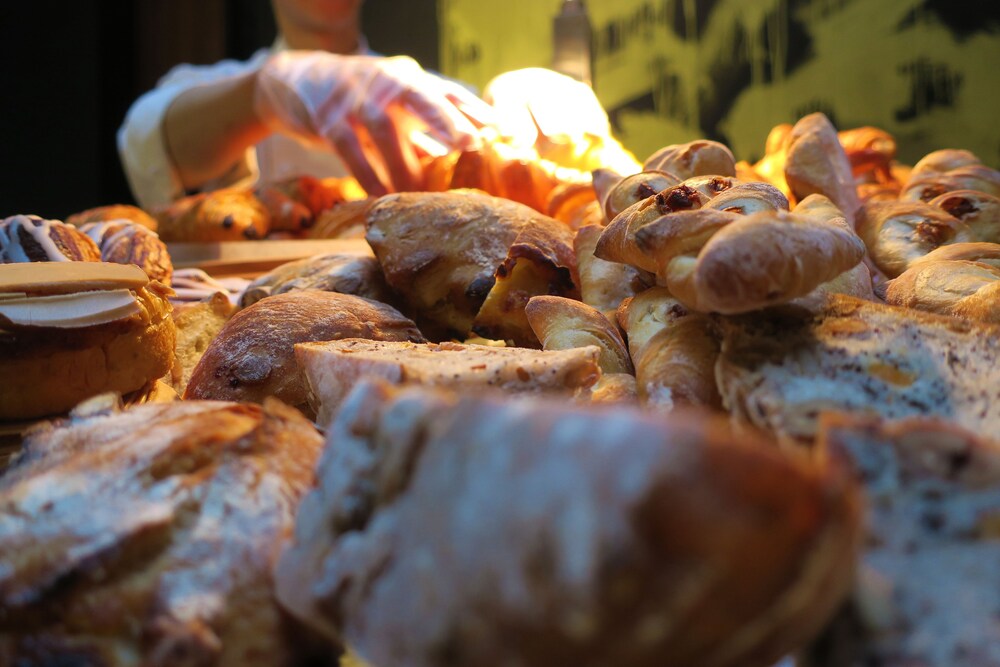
230 258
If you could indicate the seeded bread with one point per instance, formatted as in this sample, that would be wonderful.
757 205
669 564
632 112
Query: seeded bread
780 369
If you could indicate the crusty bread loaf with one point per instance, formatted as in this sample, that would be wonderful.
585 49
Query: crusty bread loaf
253 355
929 576
198 323
149 536
333 368
780 369
478 531
674 351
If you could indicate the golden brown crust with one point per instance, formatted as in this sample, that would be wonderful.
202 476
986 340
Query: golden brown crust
198 323
677 234
985 253
949 287
898 233
124 242
223 215
563 324
674 351
345 220
635 188
765 259
603 285
696 158
253 355
440 251
113 212
345 273
48 371
688 546
28 238
817 164
870 151
747 198
169 558
978 210
937 162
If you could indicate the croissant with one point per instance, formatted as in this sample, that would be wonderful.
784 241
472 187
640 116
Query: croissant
897 233
679 234
970 177
635 188
950 287
870 152
563 324
696 158
941 161
765 259
978 210
747 198
603 285
673 349
817 164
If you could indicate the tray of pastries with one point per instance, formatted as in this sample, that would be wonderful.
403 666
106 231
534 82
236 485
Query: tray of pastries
711 413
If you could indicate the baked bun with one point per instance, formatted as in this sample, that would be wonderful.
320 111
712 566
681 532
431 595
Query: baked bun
696 158
28 238
345 273
253 356
222 215
898 233
76 329
113 212
125 242
817 164
634 189
950 287
978 210
148 537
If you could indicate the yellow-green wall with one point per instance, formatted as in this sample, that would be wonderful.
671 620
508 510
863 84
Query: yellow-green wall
674 70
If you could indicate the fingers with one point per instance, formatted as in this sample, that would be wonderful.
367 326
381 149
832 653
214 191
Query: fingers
443 119
389 131
349 145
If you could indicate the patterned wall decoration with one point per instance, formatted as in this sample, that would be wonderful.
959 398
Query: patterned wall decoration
669 71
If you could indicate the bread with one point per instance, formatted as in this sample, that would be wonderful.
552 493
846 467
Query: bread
342 221
569 202
442 253
253 355
747 198
198 323
856 282
978 210
603 285
149 536
984 253
124 242
765 259
696 158
113 212
941 161
296 203
565 324
345 273
333 368
780 369
897 233
817 164
673 349
636 188
70 330
614 537
685 233
221 215
28 238
771 167
949 287
927 590
870 152
977 177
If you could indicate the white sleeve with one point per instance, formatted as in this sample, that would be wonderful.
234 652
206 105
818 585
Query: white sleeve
150 171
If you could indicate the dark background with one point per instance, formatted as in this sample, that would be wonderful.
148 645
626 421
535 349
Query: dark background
70 70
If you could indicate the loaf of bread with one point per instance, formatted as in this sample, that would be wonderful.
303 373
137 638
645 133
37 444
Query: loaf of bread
253 356
779 370
613 537
333 368
198 323
926 594
345 273
149 536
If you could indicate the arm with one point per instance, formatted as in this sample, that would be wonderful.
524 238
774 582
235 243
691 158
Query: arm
207 129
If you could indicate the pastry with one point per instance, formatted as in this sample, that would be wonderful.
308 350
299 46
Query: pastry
253 357
564 324
221 215
817 164
125 242
696 158
950 287
979 211
345 273
70 330
28 238
636 188
898 233
614 537
113 212
604 285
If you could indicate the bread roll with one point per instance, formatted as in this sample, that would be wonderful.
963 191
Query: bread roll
673 349
253 355
696 158
949 287
149 536
78 329
603 285
941 161
613 537
817 164
978 210
345 273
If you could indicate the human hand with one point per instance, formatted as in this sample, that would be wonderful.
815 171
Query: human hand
368 109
